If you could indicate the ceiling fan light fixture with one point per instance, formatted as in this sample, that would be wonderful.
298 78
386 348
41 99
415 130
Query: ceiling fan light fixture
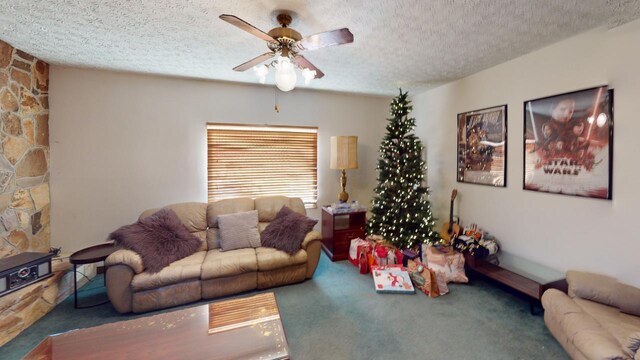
286 44
285 74
308 75
261 72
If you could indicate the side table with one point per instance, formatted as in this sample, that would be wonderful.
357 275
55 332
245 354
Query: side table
338 229
89 255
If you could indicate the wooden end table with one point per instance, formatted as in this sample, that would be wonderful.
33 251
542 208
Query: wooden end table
338 229
89 255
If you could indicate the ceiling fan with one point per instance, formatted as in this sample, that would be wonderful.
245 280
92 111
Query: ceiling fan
286 44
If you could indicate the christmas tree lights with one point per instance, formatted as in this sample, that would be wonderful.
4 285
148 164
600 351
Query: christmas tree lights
401 211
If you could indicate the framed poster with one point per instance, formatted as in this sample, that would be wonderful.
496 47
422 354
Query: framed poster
482 146
568 143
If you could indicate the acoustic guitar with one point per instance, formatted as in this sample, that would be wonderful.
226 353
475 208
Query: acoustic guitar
450 229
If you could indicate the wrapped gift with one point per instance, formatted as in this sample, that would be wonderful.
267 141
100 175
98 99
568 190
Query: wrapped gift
392 279
447 261
357 247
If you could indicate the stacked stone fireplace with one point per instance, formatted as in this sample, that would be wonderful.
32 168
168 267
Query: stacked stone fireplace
24 152
24 186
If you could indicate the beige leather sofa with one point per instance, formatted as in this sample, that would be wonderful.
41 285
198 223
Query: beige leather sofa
595 319
210 273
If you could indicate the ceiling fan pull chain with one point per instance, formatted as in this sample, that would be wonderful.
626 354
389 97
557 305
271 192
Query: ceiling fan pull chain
277 106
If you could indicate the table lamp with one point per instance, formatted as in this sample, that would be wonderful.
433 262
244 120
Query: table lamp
344 155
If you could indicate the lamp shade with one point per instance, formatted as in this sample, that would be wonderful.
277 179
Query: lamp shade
344 152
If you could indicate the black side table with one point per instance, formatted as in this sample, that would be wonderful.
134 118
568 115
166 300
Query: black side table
90 255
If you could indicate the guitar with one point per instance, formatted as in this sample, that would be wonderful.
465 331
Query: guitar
450 229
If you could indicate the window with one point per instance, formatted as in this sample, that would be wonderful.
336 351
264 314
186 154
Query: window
254 160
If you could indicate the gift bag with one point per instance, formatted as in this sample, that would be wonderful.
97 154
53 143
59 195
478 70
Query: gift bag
441 280
423 278
363 263
450 263
356 247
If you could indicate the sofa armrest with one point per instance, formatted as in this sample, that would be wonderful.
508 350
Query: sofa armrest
311 245
118 278
309 238
126 257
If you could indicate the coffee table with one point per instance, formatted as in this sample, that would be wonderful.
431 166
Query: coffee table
193 333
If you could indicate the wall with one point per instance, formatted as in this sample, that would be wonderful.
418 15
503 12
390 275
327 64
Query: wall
24 154
563 232
122 143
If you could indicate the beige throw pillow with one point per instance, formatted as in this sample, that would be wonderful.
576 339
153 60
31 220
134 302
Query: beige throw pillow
238 231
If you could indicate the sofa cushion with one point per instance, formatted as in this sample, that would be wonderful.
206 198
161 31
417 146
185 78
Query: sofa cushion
589 337
618 324
262 226
193 216
271 259
178 271
219 263
598 345
227 206
287 231
238 230
160 239
269 206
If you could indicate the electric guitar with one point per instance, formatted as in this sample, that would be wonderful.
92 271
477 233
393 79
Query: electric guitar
450 229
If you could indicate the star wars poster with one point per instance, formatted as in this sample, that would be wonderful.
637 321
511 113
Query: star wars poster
482 146
568 143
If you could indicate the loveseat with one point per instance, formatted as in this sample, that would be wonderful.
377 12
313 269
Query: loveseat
210 272
599 318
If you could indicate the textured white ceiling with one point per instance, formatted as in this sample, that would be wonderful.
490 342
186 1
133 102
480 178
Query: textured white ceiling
413 44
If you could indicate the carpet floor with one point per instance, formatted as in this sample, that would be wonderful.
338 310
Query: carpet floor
338 315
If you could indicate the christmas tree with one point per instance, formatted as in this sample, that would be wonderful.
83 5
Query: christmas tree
401 211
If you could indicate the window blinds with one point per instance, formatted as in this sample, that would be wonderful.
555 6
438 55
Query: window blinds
253 161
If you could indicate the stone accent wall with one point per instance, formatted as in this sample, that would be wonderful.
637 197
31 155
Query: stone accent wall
24 152
22 308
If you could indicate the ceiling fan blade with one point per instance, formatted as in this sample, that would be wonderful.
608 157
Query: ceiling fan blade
305 64
324 39
253 62
234 20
